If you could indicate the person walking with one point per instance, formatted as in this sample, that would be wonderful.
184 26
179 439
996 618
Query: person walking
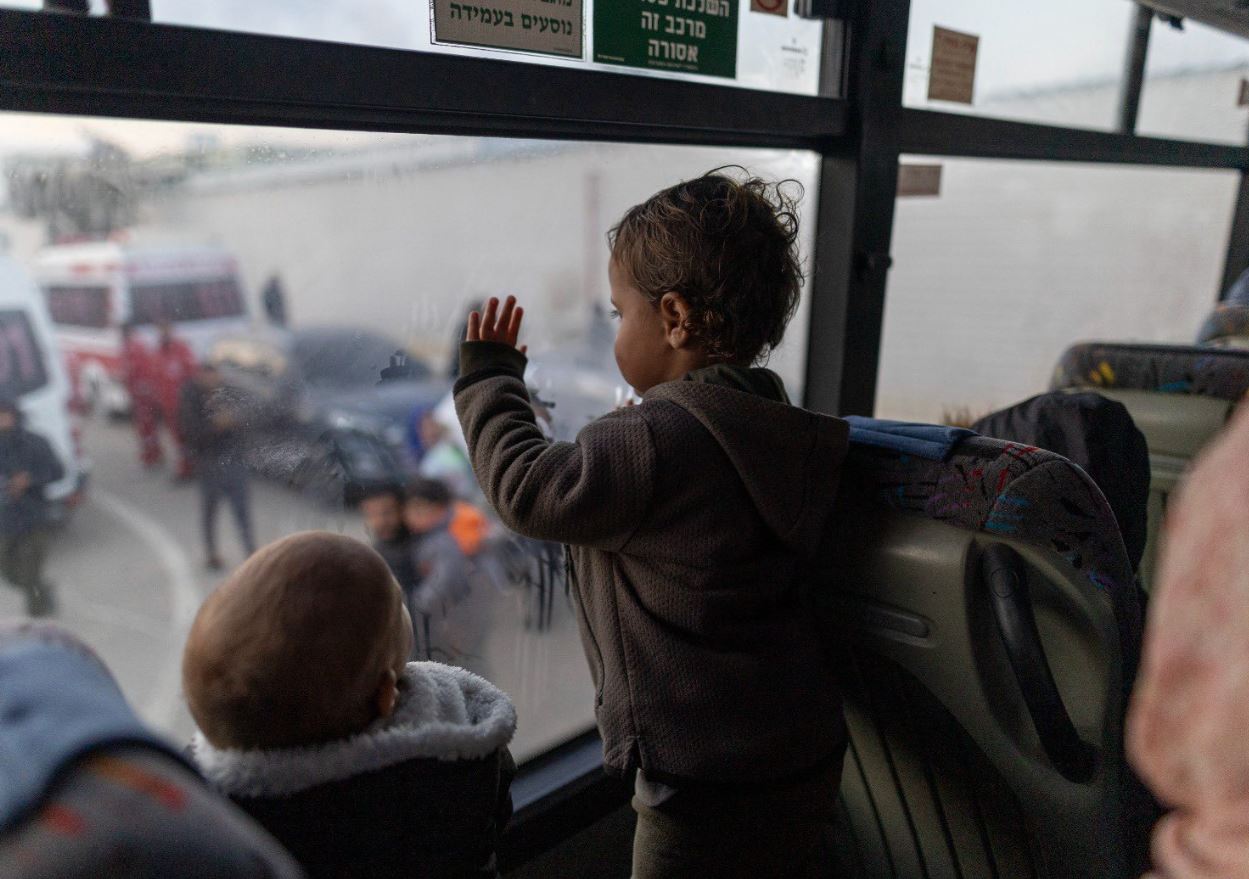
211 417
139 374
273 298
175 365
27 466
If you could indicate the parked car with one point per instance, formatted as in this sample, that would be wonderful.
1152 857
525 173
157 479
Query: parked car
91 289
325 420
31 372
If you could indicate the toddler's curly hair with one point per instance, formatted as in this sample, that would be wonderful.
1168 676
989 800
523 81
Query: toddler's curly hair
728 246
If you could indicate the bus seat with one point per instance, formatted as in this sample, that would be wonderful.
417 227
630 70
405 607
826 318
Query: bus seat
128 813
1179 396
1227 325
986 624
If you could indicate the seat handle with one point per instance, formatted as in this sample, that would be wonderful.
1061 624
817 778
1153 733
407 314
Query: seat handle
1002 571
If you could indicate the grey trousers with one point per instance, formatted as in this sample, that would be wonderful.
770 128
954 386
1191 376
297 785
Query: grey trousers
21 563
228 480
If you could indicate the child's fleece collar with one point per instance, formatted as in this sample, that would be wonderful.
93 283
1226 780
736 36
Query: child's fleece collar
443 713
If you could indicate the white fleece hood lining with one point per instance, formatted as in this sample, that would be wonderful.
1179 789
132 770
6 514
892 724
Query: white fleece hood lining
443 713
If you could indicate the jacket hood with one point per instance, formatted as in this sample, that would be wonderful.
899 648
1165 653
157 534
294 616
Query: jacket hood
443 713
788 458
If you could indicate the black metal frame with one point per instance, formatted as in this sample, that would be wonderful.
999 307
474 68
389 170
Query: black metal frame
118 67
129 68
1134 68
953 134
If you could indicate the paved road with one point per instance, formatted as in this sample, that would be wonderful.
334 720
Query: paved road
129 569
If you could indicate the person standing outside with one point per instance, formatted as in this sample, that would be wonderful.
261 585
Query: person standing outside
211 418
140 378
27 466
175 365
273 298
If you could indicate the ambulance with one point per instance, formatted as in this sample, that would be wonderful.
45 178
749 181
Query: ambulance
93 289
31 374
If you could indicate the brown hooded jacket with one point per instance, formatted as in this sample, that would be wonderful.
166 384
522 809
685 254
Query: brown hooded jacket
689 518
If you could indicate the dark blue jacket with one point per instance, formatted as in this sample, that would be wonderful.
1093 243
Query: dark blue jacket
24 452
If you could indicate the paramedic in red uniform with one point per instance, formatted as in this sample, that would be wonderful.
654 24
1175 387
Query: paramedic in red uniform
138 367
175 364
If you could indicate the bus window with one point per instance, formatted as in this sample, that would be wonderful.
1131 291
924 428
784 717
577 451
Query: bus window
1019 72
1014 261
185 301
1192 84
78 306
21 362
775 49
374 245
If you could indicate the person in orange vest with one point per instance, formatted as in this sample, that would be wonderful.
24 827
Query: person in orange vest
139 376
174 367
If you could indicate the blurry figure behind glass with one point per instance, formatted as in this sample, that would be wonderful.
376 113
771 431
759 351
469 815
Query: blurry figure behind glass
27 466
174 367
273 298
139 373
212 419
443 459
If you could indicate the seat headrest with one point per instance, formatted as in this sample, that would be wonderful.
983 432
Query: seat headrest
1172 369
1009 490
1096 434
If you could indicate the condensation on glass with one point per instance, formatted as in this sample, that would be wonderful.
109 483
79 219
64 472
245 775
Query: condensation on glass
1014 261
299 262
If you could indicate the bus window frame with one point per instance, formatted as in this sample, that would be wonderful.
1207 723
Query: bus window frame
857 124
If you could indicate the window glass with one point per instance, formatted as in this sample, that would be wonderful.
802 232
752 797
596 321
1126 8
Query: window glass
1057 63
78 306
1192 84
22 367
344 248
771 47
1014 261
185 301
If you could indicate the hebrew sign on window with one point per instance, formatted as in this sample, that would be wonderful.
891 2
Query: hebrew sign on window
550 27
694 36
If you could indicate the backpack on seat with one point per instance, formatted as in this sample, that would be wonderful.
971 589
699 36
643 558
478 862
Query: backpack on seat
986 625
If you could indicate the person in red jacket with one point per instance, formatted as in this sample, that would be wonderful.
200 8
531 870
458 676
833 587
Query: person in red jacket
139 376
174 365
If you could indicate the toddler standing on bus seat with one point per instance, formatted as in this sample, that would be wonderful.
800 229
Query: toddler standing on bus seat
312 720
689 518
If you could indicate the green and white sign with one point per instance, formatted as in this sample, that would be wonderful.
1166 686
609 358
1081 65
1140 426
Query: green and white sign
693 36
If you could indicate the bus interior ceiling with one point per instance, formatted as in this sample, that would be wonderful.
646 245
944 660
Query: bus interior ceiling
304 196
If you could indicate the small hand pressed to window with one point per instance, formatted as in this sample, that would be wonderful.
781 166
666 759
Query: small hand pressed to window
497 326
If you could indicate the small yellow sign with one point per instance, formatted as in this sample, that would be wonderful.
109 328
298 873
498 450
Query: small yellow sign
952 76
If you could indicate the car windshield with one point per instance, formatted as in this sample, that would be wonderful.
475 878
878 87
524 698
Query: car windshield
343 359
21 362
185 300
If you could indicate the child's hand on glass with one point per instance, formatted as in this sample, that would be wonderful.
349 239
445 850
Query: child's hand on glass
497 326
